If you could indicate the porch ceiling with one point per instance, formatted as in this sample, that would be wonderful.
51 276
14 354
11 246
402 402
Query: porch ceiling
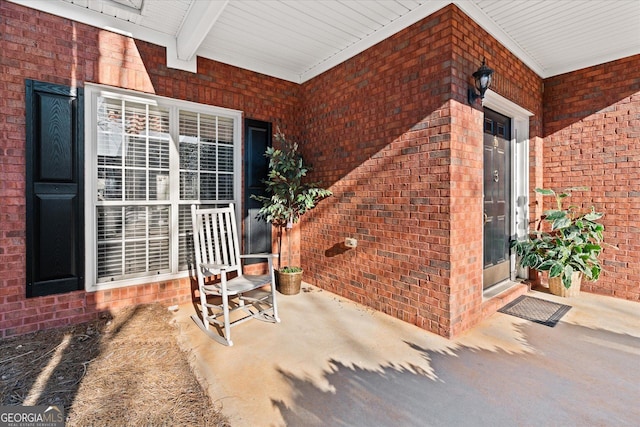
297 40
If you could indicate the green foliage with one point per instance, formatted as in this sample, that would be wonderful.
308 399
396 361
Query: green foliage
288 269
573 243
288 195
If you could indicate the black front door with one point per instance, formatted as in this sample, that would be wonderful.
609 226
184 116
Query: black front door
257 137
497 200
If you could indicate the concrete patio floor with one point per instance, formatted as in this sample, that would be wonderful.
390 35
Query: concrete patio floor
332 362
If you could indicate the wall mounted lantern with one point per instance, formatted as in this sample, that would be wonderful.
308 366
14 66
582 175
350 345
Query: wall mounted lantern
482 79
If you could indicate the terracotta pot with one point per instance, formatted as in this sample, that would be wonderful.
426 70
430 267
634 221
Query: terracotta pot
289 283
557 288
535 277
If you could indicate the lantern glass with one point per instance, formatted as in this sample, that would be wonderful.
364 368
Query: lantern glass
483 82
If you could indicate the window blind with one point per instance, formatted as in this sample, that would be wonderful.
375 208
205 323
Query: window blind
135 183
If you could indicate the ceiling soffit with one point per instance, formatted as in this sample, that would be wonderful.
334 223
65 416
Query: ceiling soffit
298 40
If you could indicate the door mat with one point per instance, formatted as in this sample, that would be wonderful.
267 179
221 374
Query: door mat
536 310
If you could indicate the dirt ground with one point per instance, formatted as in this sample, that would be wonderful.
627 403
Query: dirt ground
122 370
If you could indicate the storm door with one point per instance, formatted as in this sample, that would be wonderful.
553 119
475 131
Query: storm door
497 192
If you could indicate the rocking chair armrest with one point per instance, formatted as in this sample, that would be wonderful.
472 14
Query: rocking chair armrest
214 268
263 255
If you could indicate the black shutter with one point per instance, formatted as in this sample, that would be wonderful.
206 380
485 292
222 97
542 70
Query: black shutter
54 193
257 137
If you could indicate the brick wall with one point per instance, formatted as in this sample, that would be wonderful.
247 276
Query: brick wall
35 45
514 81
592 138
391 132
378 132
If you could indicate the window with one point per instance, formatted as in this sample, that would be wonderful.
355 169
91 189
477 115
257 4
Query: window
148 159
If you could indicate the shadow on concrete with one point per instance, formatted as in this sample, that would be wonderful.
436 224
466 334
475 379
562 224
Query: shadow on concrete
575 376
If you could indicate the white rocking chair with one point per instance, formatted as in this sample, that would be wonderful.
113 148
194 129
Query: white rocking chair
217 253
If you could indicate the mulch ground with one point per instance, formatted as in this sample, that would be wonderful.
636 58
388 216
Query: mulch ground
122 370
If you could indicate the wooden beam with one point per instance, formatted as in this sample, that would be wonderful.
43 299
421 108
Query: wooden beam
198 22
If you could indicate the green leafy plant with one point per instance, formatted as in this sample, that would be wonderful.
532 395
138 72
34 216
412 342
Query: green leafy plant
573 242
288 197
291 269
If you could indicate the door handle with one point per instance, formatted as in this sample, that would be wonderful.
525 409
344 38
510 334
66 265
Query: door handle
496 175
486 218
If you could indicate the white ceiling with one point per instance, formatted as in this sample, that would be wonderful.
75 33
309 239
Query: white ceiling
299 39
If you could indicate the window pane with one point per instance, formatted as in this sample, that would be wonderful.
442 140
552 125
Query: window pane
159 191
188 156
110 129
135 219
110 148
207 128
135 257
207 186
225 187
135 184
109 222
109 241
225 158
158 122
109 184
158 259
159 222
136 152
188 126
185 236
208 157
109 260
225 130
188 185
159 153
135 118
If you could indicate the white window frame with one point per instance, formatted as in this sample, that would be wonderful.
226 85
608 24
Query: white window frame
92 93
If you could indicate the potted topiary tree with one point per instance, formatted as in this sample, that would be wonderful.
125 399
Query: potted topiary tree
568 247
288 199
